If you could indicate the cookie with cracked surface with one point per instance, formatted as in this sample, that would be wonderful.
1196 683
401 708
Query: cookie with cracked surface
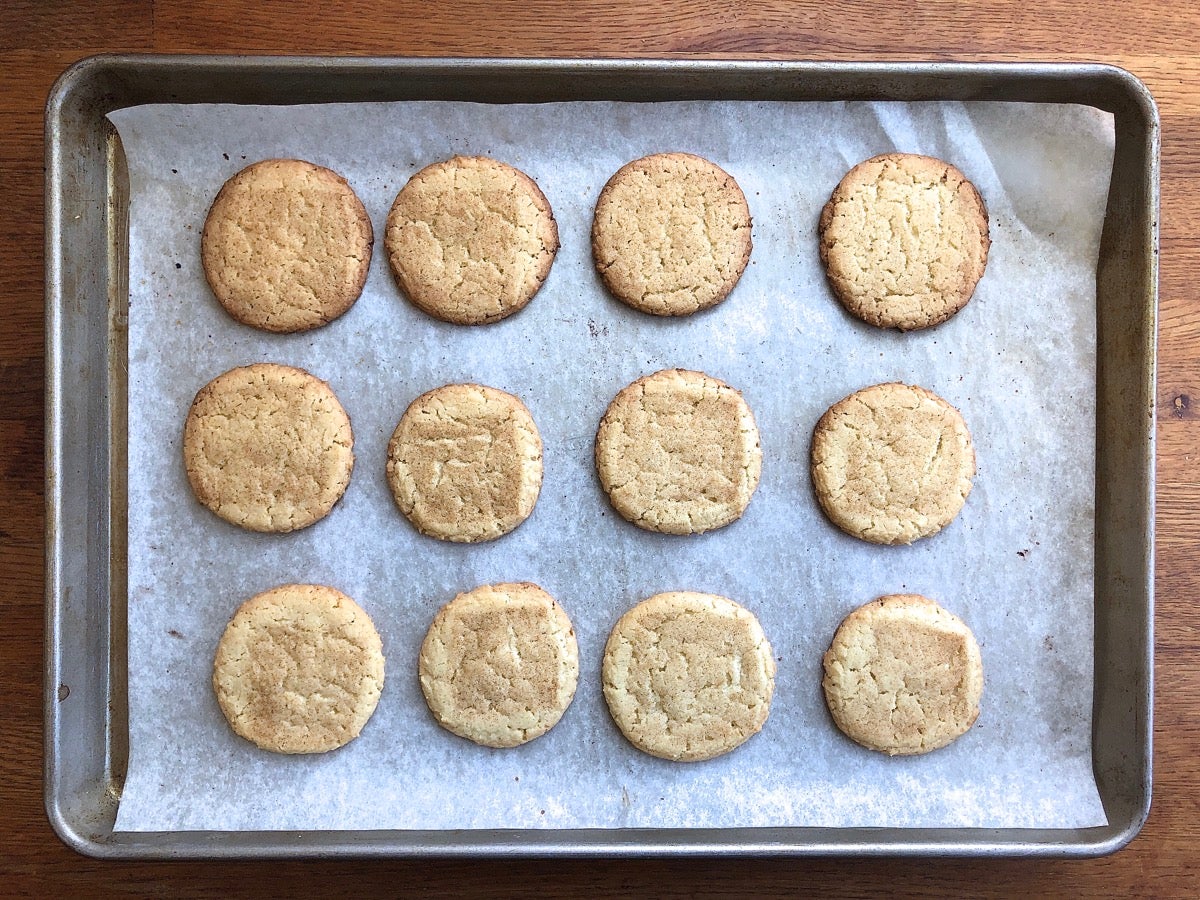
268 447
286 245
671 234
470 240
678 452
465 463
904 241
688 676
892 463
299 669
903 676
499 664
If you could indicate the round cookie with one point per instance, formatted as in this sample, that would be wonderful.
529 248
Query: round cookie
500 664
268 447
688 676
286 245
470 240
299 669
892 463
903 676
678 452
671 234
904 240
465 463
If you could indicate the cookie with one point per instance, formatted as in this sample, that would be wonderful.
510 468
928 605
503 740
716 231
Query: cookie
678 452
268 447
465 463
892 463
286 245
904 240
688 676
500 664
903 676
299 669
470 240
671 234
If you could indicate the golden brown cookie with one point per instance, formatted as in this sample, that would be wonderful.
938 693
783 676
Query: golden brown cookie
286 245
892 463
299 669
470 240
903 675
671 234
500 664
678 452
465 463
904 240
268 447
688 676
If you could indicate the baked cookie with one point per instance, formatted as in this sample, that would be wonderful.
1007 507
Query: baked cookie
688 676
678 452
903 676
470 240
671 234
465 463
904 240
268 447
500 664
892 463
299 669
286 245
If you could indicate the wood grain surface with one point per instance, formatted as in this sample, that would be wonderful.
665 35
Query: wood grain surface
1158 41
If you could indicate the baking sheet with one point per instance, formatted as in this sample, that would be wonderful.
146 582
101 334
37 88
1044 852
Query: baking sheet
1017 564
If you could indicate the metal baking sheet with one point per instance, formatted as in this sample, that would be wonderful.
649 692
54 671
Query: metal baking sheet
537 81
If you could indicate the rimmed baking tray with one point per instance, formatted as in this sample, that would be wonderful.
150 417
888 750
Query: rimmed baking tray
86 302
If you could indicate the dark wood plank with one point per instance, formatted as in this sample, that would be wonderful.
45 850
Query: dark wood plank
935 29
63 23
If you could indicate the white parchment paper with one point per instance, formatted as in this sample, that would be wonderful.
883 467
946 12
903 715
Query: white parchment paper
1017 564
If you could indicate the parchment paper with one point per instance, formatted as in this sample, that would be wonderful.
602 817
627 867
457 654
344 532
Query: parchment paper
1017 564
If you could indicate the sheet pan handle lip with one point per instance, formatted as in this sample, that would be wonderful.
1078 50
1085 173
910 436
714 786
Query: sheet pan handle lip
1142 103
81 76
52 375
89 68
1149 107
583 843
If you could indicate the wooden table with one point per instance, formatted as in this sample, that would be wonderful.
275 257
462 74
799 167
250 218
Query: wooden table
1158 41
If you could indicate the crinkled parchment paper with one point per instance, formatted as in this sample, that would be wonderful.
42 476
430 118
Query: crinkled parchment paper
1017 564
